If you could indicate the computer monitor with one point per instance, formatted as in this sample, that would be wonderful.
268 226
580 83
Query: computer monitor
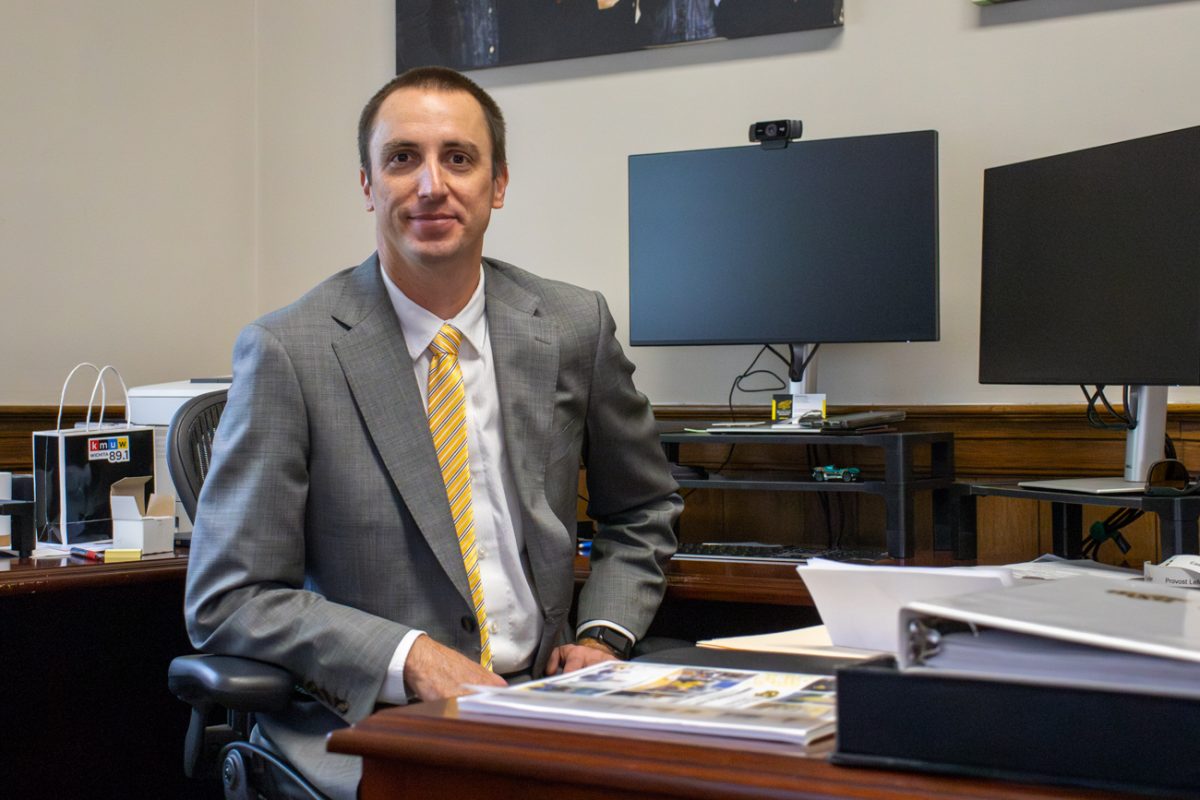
1091 262
829 240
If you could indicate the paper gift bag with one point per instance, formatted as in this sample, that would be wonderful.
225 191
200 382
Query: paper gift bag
74 470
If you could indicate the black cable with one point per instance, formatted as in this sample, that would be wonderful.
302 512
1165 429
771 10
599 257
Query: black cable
833 532
796 374
750 371
1096 420
1110 528
813 454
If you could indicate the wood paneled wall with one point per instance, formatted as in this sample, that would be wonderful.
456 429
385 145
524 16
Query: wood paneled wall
991 442
17 424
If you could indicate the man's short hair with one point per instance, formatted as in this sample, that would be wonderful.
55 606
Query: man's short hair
441 79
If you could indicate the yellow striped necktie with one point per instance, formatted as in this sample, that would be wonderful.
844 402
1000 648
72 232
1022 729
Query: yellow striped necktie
448 423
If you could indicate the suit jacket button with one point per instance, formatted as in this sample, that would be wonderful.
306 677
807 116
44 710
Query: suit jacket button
469 624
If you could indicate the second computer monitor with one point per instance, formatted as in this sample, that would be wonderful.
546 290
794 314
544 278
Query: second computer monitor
830 240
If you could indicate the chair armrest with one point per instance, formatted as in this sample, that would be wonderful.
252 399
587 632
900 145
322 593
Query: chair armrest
238 684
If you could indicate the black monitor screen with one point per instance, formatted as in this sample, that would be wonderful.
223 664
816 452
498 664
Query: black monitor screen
1091 266
832 240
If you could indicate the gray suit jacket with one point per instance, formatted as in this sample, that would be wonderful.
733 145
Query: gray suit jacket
323 532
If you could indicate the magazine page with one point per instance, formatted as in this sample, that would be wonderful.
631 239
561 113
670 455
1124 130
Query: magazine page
775 706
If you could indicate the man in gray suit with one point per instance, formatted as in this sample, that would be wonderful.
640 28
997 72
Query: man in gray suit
324 540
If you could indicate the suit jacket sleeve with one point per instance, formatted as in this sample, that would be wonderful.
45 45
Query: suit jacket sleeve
245 589
631 494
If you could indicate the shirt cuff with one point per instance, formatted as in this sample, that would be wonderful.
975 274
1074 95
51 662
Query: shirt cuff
604 623
393 690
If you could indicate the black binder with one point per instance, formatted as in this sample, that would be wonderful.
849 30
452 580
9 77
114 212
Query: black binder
1142 743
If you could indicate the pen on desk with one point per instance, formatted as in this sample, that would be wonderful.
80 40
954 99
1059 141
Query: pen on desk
90 555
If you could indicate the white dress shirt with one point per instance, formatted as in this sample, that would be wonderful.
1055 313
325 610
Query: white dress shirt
514 619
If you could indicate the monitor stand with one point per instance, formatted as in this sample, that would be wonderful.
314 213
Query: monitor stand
800 383
1144 444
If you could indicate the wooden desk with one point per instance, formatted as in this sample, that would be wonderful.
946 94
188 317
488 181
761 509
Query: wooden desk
27 576
85 710
432 752
707 599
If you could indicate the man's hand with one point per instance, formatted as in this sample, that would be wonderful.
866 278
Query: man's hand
570 657
433 671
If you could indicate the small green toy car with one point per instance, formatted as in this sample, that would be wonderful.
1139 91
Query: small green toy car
831 473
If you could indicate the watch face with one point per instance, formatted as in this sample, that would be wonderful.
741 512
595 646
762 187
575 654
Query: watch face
620 644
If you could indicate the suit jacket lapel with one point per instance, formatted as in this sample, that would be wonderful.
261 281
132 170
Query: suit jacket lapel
379 371
526 357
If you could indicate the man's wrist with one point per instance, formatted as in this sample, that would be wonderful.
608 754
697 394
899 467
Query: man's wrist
606 639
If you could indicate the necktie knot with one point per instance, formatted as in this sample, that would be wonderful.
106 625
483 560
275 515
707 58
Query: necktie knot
446 341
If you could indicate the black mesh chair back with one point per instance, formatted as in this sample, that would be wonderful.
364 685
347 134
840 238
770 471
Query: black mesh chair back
189 445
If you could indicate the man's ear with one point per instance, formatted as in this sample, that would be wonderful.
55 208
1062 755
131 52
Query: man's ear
499 185
365 181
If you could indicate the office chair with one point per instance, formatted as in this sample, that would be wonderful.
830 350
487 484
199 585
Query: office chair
240 686
189 445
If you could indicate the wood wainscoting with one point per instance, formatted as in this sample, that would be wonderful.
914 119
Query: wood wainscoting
991 442
17 424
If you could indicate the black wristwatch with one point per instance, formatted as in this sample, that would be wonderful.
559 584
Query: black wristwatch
614 640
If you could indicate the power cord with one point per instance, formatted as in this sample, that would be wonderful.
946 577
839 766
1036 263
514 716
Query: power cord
797 373
1110 528
1096 419
737 386
1124 422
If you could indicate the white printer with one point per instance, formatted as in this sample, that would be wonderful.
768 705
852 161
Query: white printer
156 405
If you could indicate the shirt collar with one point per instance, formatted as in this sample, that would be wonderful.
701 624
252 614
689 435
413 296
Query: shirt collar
420 325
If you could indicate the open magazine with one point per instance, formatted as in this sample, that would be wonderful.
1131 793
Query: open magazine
749 704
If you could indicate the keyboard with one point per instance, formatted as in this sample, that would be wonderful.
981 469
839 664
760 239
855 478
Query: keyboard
858 421
754 552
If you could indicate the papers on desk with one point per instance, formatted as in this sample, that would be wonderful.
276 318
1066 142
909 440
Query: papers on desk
748 704
861 604
1051 567
811 641
1182 571
1083 632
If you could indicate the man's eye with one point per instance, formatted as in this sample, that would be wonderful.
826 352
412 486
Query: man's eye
400 158
459 158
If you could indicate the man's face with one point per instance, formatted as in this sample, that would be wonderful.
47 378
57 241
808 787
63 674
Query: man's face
431 184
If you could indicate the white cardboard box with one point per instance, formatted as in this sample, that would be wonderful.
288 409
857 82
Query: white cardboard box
150 529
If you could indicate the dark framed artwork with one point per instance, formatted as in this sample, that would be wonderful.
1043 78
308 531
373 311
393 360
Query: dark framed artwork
476 34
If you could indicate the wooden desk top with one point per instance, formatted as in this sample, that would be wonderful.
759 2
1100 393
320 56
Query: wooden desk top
431 751
743 582
30 576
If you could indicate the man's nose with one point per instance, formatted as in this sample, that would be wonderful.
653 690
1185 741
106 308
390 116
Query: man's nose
431 182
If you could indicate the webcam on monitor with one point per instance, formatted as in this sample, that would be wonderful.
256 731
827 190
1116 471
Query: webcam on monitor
776 133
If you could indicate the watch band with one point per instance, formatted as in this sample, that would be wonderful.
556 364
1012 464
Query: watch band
616 641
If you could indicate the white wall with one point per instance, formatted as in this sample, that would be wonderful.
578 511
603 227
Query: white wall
1001 84
126 213
237 191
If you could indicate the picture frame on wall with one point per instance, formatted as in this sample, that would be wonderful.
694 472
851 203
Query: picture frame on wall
478 34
